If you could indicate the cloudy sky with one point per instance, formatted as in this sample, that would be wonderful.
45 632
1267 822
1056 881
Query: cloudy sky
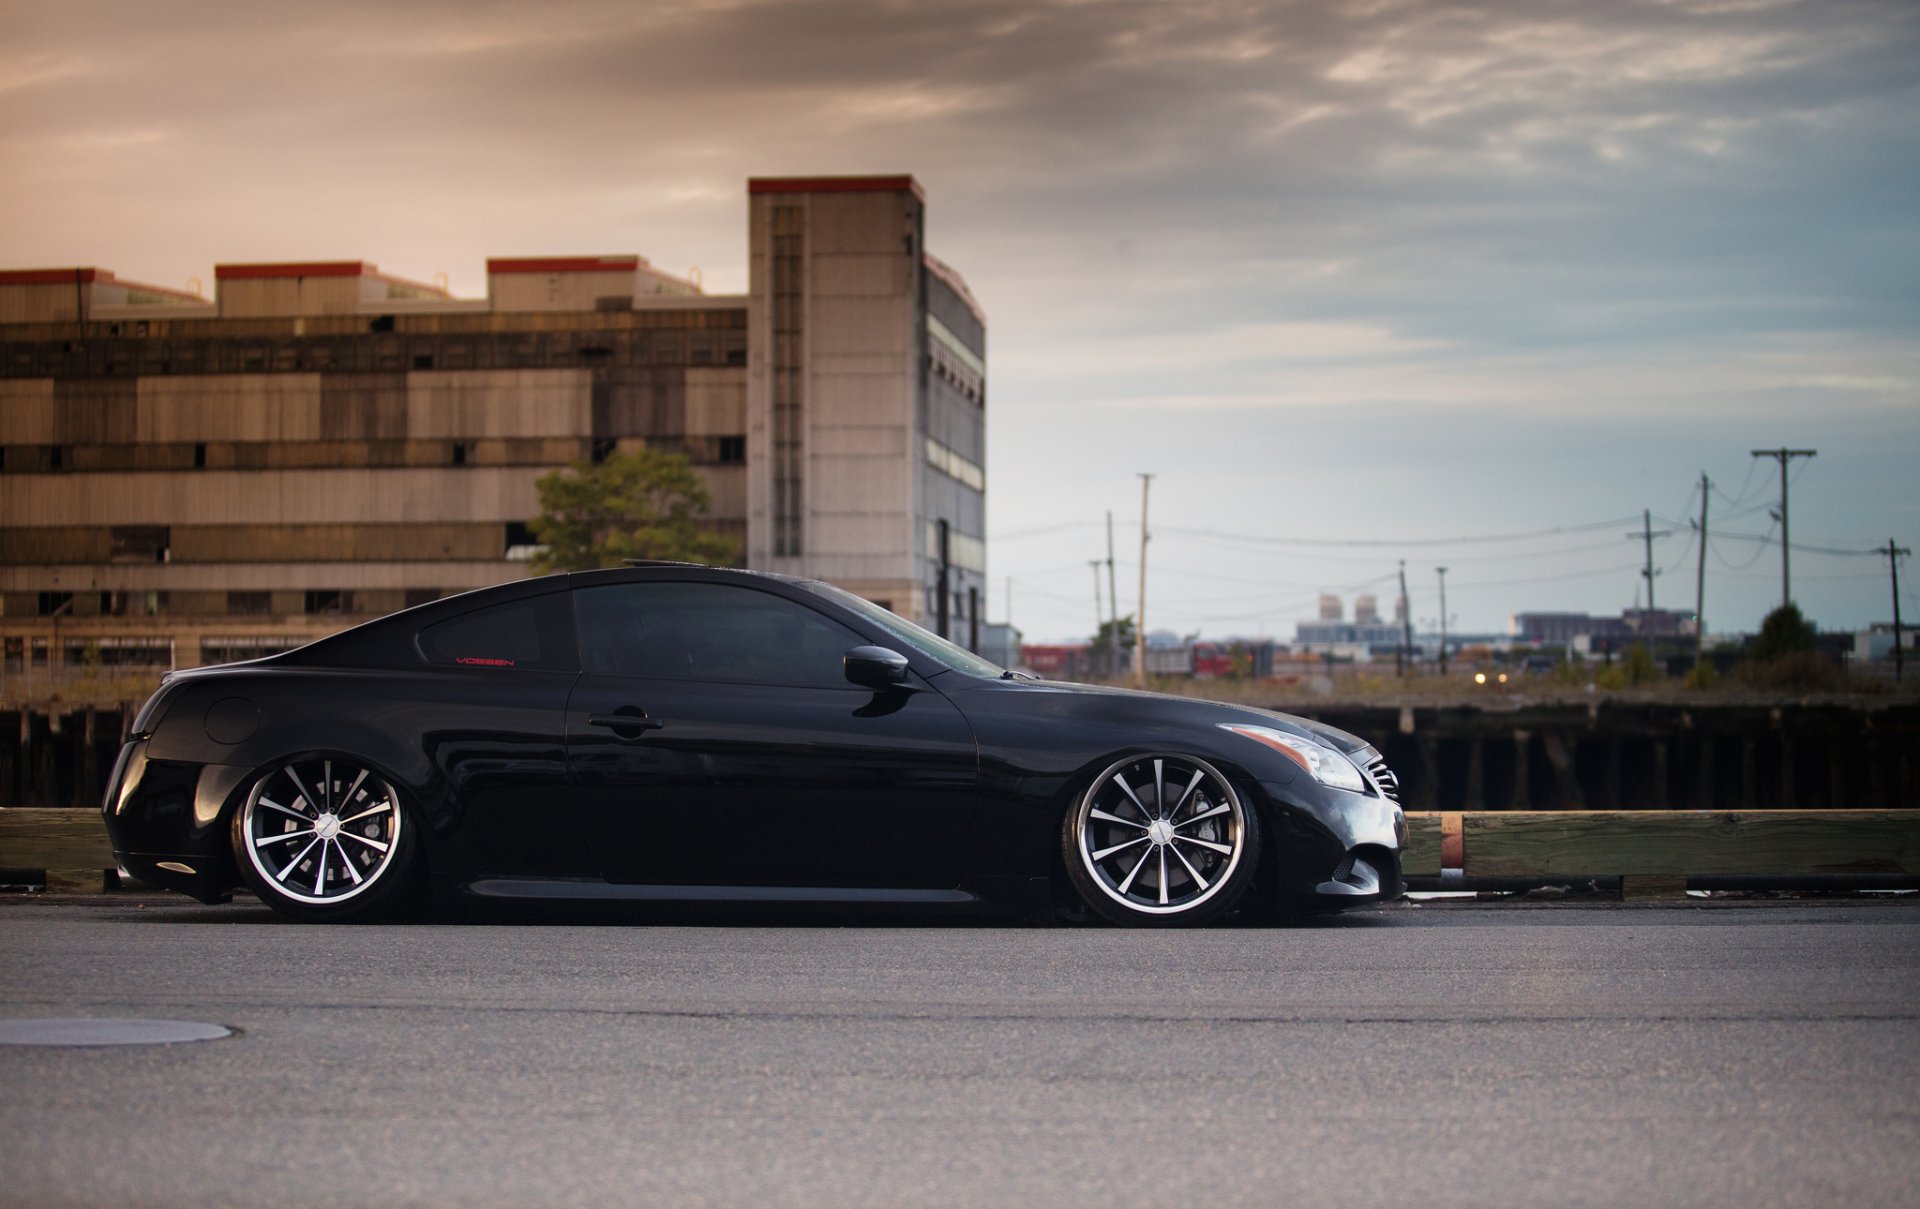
1353 280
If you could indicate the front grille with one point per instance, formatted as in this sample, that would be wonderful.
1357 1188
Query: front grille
1384 780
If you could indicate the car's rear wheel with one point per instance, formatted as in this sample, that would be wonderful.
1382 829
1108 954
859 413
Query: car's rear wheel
1161 839
325 839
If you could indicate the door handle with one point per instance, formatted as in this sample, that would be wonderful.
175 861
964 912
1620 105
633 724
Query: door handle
637 723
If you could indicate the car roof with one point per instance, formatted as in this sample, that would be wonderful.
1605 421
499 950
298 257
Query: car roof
389 641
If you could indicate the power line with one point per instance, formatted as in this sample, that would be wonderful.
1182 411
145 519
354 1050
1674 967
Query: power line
1758 553
1548 579
1740 497
1040 530
1805 548
1387 542
1374 560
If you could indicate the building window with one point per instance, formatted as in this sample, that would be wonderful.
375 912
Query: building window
459 453
56 457
419 596
954 466
329 602
602 449
963 549
54 604
733 449
249 604
226 649
521 544
200 456
139 544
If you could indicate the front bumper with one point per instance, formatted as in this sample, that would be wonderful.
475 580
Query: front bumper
1336 849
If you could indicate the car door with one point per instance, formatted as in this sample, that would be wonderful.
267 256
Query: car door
490 715
717 742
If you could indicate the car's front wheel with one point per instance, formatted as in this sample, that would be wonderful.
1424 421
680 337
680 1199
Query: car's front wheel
1161 839
325 839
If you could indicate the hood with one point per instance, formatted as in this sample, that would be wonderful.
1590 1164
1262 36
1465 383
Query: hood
1221 711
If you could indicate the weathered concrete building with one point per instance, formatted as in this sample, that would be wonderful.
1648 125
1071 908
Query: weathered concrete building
186 481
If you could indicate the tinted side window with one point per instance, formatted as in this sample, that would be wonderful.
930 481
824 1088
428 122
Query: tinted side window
534 634
712 632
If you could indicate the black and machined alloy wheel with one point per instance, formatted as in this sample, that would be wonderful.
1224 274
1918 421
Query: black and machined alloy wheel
1161 839
325 839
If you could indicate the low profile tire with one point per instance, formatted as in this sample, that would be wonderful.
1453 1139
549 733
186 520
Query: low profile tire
1159 840
325 840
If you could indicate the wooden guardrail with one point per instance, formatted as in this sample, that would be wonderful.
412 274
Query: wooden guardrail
1655 851
69 846
1649 850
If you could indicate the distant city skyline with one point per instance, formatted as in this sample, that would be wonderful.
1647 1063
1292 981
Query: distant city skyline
1349 278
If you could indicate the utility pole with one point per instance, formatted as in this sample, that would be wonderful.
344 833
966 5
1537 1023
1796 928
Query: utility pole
1443 620
1783 455
1700 578
1894 554
1113 605
1646 532
1140 622
1099 618
1406 624
1647 573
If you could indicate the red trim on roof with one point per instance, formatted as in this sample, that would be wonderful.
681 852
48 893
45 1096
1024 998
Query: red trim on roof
50 276
310 268
835 184
562 264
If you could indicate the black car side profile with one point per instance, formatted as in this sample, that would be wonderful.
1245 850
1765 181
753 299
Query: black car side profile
678 733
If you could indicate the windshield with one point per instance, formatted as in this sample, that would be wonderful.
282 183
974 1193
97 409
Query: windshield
908 634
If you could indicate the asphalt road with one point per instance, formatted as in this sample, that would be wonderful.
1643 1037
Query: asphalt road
1706 1054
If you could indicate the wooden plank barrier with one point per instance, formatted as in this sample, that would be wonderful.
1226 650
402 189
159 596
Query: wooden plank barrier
70 846
1663 843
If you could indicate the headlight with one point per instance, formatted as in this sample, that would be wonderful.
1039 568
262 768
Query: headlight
1324 764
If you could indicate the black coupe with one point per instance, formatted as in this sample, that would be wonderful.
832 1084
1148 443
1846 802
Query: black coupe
669 732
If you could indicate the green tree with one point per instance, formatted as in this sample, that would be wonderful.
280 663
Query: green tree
1784 632
1103 665
1105 633
644 504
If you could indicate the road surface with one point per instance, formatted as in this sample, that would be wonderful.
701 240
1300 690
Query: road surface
1707 1054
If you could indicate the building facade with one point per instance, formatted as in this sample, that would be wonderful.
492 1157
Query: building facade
185 481
1563 629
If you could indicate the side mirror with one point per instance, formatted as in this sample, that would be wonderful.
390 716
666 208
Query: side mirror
876 667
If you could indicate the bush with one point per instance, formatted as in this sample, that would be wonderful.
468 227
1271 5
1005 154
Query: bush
1784 632
1703 677
1639 665
1796 671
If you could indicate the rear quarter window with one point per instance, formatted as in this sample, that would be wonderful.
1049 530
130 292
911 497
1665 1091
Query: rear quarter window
521 635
